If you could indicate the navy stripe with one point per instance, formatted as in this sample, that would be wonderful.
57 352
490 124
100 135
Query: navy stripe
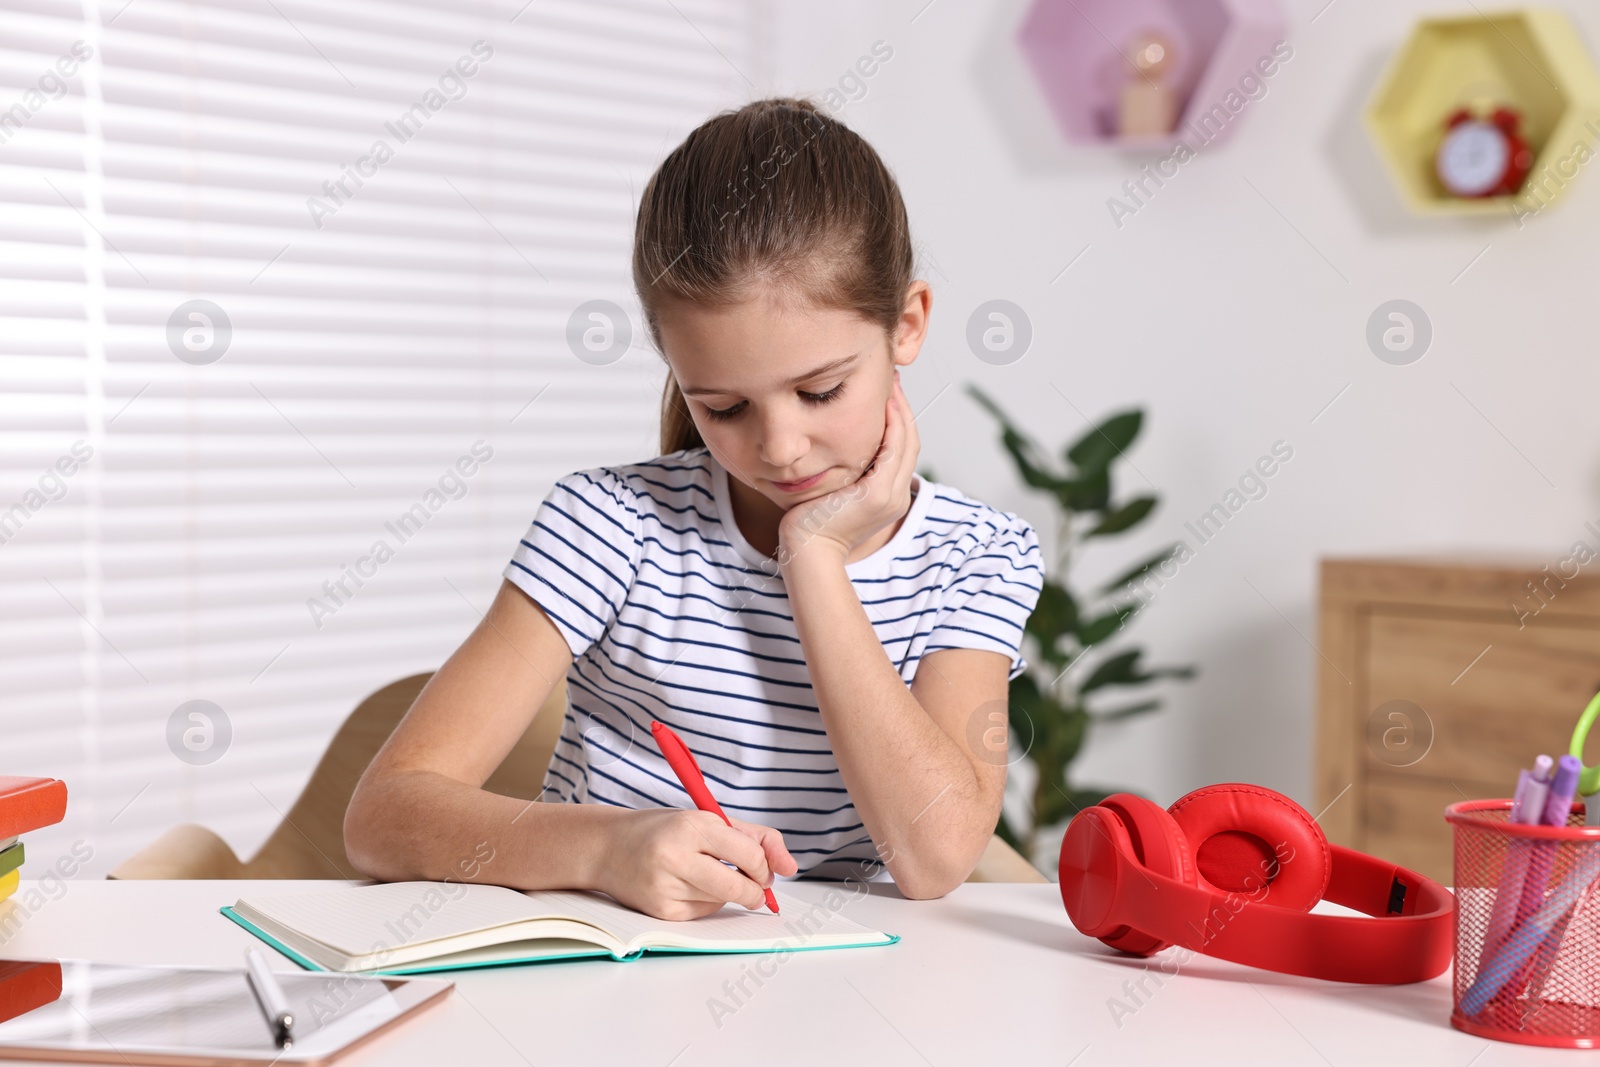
654 803
622 625
591 539
792 638
702 490
782 596
563 594
578 681
675 786
536 550
967 648
968 609
721 694
687 509
599 511
723 784
697 596
679 661
656 464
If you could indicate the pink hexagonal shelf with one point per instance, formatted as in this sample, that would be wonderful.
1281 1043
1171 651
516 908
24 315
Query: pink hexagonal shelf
1082 54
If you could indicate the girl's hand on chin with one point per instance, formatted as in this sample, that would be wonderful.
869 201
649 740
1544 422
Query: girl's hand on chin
847 517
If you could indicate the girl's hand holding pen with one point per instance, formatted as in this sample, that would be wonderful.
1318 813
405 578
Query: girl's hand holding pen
846 517
668 863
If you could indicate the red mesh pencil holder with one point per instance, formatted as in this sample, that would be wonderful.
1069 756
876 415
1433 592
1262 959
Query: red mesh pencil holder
1527 956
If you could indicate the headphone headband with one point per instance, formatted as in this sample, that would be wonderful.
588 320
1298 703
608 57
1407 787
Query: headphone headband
1407 939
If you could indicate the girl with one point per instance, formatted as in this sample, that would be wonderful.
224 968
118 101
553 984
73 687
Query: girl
829 633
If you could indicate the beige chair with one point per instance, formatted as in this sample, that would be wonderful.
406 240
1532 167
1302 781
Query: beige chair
309 843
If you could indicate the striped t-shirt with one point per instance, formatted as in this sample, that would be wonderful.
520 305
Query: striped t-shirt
672 615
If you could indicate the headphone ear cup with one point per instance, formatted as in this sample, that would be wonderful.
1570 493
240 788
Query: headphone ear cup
1159 845
1248 839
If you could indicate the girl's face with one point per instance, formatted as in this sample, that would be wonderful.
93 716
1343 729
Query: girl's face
783 393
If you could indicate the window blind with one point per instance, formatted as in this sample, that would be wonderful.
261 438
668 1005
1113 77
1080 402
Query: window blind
285 291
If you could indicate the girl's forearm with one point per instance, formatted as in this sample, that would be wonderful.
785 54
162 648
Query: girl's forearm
916 791
421 825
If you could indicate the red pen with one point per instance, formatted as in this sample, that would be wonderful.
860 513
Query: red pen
682 762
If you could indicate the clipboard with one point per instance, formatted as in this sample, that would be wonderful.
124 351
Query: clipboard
86 1012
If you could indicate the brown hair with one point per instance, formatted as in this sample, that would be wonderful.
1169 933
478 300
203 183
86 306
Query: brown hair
777 194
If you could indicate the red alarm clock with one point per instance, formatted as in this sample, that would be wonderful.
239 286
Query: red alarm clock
1482 157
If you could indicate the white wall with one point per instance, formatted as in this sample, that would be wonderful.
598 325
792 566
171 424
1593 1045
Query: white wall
1234 331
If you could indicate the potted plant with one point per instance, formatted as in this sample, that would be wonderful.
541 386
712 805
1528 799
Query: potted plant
1075 679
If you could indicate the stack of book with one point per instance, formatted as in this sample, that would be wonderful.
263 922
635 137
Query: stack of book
26 804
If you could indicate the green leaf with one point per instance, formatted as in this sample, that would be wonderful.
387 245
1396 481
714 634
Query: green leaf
1124 669
1055 614
1141 570
1027 711
1074 728
1024 452
1097 630
1004 832
1093 452
1085 494
1023 689
1050 797
1120 669
1128 515
1054 617
1126 712
1049 733
1025 692
1053 808
1065 803
1052 655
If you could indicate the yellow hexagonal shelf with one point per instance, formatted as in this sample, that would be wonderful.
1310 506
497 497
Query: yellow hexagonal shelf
1530 60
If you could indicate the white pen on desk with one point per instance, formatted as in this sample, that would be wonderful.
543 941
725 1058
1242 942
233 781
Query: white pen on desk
274 1005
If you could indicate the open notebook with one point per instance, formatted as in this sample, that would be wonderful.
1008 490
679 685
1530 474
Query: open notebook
414 927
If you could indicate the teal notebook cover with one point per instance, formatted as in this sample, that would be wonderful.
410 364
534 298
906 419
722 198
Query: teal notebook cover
423 967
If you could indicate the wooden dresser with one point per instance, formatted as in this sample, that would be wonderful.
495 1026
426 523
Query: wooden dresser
1438 680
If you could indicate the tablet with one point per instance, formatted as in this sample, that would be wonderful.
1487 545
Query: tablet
145 1014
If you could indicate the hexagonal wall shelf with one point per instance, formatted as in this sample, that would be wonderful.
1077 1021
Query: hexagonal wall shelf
1530 60
1082 55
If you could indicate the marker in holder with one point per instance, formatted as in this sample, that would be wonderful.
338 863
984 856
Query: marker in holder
1541 984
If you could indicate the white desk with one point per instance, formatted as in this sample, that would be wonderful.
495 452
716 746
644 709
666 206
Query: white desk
991 974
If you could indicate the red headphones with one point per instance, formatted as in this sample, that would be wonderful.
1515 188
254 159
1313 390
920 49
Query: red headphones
1231 871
